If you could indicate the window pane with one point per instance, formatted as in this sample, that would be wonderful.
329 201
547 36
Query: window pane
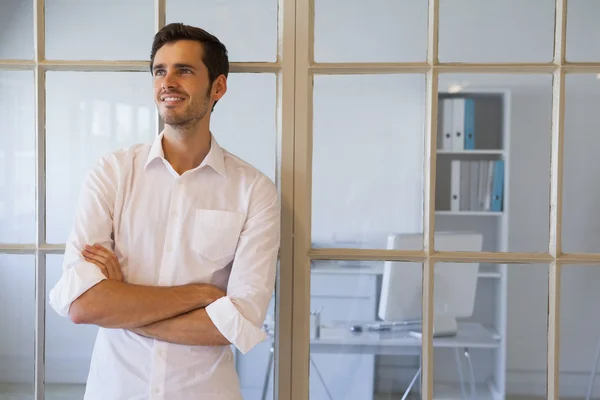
579 332
367 169
252 133
16 29
349 358
17 297
496 31
498 348
247 28
17 157
118 30
580 227
493 160
583 32
89 115
68 346
256 369
374 31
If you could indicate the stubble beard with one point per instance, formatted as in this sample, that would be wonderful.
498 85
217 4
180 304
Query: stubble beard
185 119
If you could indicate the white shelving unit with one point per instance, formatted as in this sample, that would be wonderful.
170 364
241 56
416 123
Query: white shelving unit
492 142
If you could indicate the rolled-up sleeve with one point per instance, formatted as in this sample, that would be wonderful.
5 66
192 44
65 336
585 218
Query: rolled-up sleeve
239 316
92 223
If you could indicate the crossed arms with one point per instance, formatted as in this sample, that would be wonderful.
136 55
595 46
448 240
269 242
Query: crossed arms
91 288
173 314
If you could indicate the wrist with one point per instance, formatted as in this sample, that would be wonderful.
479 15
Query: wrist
208 294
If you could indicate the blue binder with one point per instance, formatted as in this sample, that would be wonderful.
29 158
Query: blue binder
498 186
469 124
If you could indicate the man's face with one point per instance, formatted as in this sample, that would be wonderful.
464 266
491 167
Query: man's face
182 90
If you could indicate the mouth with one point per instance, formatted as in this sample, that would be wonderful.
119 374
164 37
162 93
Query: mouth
171 100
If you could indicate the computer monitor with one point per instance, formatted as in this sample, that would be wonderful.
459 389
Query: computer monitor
454 283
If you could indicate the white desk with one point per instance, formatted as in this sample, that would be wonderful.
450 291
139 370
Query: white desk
337 338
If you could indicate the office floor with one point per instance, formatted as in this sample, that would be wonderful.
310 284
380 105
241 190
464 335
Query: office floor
75 392
53 392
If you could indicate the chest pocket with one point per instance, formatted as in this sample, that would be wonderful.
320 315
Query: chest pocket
216 233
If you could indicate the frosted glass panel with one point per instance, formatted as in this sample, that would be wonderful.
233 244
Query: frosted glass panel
493 168
247 28
16 29
89 115
580 221
17 313
378 30
68 346
579 333
583 31
244 120
107 30
367 170
17 157
496 31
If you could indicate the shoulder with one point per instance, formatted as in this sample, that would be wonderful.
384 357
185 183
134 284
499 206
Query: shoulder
260 190
248 175
112 165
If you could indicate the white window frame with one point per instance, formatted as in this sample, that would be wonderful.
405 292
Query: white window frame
306 68
283 67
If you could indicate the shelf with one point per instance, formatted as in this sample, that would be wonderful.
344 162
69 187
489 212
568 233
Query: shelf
471 213
474 152
494 275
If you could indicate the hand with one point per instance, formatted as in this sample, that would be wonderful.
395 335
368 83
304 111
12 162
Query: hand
105 259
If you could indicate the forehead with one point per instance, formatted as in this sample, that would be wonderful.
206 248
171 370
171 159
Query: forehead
180 52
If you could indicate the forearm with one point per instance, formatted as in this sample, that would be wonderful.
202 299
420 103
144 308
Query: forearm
113 304
193 328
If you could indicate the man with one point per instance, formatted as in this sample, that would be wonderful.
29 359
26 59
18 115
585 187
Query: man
174 245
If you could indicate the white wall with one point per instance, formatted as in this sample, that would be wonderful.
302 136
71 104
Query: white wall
368 143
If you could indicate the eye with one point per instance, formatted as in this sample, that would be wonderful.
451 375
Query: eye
186 71
159 72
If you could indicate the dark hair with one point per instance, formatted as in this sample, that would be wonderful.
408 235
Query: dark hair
214 55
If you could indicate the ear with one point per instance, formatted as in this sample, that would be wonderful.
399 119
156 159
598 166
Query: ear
219 87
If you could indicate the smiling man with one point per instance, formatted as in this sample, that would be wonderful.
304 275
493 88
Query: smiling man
174 245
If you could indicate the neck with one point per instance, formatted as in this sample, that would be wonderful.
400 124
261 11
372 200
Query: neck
185 147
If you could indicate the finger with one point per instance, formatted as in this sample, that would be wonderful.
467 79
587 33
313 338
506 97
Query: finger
96 257
109 259
112 263
98 250
114 267
103 269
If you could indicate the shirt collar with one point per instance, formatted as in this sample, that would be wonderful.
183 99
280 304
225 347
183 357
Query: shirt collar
215 157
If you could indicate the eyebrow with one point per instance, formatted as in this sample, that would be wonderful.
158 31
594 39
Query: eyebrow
178 65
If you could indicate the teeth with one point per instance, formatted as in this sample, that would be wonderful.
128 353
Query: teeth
172 98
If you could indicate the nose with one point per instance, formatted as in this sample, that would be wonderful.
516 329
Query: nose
168 81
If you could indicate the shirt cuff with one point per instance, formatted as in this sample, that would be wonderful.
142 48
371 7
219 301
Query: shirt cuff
233 326
73 283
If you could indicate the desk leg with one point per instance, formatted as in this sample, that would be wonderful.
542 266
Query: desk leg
268 373
461 377
412 382
590 388
321 378
472 374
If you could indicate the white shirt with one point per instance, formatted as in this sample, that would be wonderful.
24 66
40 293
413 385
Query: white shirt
218 223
